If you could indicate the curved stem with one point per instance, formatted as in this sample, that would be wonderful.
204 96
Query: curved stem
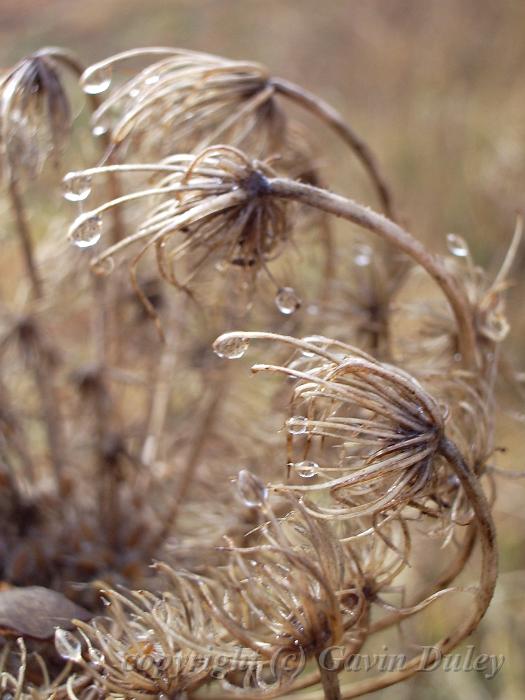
335 121
395 234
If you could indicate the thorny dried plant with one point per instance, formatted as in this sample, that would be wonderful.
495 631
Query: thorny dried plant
118 448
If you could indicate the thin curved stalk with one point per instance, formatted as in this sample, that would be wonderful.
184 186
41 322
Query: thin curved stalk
335 121
385 228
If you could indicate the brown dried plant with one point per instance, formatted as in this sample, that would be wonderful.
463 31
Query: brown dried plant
118 448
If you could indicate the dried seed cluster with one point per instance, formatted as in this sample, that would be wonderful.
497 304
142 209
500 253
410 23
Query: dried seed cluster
281 518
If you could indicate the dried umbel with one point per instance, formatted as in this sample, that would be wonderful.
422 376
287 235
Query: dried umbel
252 622
435 329
194 99
205 99
35 114
207 211
142 445
367 433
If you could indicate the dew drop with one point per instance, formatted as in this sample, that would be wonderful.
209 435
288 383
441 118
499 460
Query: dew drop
287 300
96 657
99 130
103 267
362 255
221 266
231 347
251 489
96 81
77 187
306 469
67 645
297 425
152 79
457 246
86 230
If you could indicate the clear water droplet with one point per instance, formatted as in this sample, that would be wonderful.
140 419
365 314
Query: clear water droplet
363 255
67 645
96 657
287 300
77 187
152 79
231 347
306 469
103 267
297 425
96 81
99 130
251 489
86 230
457 246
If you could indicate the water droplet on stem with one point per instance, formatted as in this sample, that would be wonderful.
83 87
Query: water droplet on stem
306 469
251 489
230 347
287 300
77 187
96 81
86 230
297 425
67 645
457 246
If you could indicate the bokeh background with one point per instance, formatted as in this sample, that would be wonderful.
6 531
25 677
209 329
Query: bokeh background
436 86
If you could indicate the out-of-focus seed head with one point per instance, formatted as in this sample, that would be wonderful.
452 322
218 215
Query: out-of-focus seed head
35 115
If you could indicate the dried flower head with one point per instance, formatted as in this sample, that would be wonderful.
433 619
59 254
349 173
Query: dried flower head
35 114
367 432
252 621
194 100
209 211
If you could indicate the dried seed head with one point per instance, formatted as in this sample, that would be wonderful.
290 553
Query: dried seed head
194 100
35 115
372 429
211 212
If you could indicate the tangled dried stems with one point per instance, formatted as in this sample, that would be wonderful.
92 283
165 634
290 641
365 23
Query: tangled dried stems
134 442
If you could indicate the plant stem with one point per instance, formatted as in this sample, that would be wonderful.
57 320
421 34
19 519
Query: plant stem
24 235
395 234
335 121
329 676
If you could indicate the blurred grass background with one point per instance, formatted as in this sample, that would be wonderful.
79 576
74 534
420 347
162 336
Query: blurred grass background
436 88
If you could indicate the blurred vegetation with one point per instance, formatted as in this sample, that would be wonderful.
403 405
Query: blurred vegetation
436 88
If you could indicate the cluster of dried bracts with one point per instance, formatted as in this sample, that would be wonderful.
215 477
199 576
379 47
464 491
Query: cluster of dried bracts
125 440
